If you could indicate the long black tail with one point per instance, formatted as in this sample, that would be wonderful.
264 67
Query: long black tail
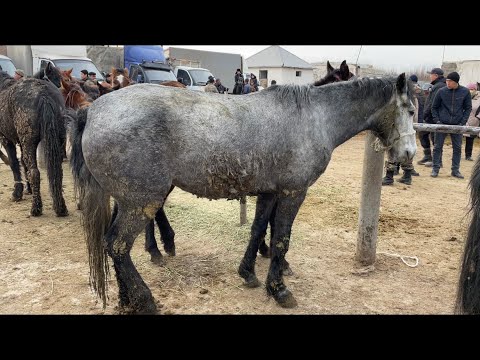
95 208
468 292
50 117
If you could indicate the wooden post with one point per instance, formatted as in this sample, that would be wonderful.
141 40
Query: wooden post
369 203
243 210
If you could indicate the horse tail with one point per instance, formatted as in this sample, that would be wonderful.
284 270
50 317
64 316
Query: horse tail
52 132
468 292
95 207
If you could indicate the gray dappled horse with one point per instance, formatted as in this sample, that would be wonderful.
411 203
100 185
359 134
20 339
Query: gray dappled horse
137 142
166 232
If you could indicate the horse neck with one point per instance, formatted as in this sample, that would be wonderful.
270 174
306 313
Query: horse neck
346 113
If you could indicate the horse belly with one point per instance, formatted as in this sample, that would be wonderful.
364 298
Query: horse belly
219 185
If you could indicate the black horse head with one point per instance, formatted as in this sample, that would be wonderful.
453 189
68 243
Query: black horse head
335 75
50 73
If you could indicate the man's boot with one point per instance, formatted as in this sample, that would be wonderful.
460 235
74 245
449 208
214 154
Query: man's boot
406 178
388 179
427 156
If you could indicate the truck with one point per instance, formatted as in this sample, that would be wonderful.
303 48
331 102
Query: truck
7 65
32 58
196 65
146 64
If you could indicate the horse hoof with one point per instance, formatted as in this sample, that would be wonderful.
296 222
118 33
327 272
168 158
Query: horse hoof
170 252
157 259
287 271
285 299
252 282
28 192
62 213
16 198
36 212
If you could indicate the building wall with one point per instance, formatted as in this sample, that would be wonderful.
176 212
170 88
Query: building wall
3 50
469 70
284 76
106 57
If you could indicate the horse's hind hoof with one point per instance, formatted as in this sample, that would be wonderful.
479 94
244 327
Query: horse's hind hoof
285 299
157 259
170 250
252 282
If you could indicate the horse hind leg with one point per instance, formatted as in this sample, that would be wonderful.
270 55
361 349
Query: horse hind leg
287 210
134 294
17 194
166 232
28 188
33 174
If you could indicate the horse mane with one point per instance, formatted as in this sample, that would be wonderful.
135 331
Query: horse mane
300 94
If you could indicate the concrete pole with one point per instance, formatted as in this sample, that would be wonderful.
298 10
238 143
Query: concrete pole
369 203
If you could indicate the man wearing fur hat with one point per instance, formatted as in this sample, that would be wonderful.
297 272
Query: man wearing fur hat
451 106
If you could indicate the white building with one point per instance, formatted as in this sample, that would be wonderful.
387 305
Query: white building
276 63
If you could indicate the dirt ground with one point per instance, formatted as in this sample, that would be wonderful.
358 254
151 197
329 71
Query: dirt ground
44 266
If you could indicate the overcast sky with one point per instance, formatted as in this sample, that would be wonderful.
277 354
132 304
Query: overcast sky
399 58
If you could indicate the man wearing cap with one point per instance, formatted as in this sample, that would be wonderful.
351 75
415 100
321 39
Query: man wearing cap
437 81
19 74
451 106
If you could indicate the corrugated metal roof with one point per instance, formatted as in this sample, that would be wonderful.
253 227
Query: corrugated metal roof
276 56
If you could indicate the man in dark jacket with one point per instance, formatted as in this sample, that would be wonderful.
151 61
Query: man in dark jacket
437 80
451 106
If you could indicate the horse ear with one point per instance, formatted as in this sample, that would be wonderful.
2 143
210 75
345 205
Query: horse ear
126 71
329 67
344 71
401 83
69 71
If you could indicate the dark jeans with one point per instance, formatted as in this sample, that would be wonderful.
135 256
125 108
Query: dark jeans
425 138
469 145
438 150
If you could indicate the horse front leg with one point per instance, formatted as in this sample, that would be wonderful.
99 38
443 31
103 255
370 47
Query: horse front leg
134 294
287 209
15 166
151 244
264 206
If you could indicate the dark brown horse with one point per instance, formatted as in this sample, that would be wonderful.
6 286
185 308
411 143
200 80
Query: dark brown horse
32 110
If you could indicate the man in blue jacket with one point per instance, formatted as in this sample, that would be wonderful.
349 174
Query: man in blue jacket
451 106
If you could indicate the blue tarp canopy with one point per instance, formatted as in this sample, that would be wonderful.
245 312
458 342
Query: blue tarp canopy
135 54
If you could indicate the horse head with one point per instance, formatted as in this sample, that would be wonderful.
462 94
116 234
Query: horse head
334 75
120 77
394 123
52 73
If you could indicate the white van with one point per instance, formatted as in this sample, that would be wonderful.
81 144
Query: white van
193 78
7 65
